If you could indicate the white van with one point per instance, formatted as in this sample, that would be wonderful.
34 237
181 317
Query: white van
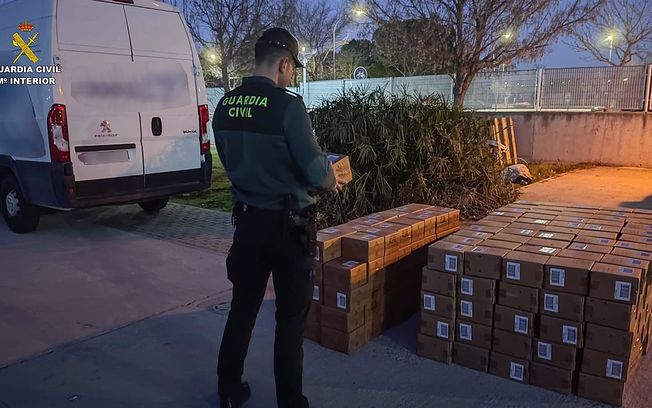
101 102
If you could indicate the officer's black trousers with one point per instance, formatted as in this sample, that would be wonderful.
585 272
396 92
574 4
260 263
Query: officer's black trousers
264 244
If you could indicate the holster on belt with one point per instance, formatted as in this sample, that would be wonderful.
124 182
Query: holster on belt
305 222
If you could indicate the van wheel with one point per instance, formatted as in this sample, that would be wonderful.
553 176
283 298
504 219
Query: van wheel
21 217
154 205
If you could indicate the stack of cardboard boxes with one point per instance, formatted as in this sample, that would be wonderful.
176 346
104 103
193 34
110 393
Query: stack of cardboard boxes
368 273
551 295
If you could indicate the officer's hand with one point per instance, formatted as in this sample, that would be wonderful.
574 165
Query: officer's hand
340 185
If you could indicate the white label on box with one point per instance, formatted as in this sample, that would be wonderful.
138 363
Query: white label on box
581 247
330 231
521 324
318 255
466 332
478 249
614 369
350 264
557 277
429 302
341 300
514 270
541 221
315 293
645 254
516 371
623 291
551 303
497 213
574 225
625 244
636 262
374 216
527 232
594 227
467 287
442 330
467 308
450 263
624 269
547 250
368 237
604 241
475 227
544 350
373 230
458 246
569 334
468 240
546 235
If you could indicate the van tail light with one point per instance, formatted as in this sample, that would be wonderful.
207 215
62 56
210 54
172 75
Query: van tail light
204 139
58 134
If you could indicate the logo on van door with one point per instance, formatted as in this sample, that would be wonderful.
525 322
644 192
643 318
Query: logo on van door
105 130
24 45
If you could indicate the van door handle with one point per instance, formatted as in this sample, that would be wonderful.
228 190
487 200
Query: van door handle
157 126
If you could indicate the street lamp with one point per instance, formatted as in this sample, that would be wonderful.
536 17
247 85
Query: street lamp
357 11
610 38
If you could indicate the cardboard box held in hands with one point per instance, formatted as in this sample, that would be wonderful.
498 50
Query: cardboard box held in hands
342 166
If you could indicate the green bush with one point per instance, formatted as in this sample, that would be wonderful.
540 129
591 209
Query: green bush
408 149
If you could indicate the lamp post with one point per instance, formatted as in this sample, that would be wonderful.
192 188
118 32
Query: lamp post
610 38
359 12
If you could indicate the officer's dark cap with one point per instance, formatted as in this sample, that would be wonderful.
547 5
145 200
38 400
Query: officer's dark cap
281 38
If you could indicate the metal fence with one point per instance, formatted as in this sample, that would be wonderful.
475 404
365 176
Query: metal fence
611 88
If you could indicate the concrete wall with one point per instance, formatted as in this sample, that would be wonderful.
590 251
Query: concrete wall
619 138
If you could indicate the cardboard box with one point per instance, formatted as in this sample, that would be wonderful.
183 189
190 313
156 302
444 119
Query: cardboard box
521 232
507 213
341 166
396 235
599 220
611 314
436 326
476 334
514 320
435 349
415 207
474 234
567 275
344 321
561 331
634 246
509 367
518 297
524 269
547 242
363 247
317 282
512 344
379 216
484 262
417 227
493 243
484 228
556 354
551 378
632 230
575 219
595 241
626 261
632 253
615 283
636 239
541 250
312 331
447 257
525 219
472 357
458 239
554 236
345 342
602 227
538 214
609 340
329 242
600 389
562 305
445 233
601 364
598 234
345 274
314 313
476 289
562 230
347 300
587 256
492 223
429 222
515 238
441 283
438 305
475 311
499 219
599 249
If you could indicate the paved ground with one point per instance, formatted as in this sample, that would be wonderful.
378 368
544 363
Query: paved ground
115 308
604 186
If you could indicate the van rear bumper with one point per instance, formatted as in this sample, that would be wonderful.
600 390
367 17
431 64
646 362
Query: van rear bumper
125 190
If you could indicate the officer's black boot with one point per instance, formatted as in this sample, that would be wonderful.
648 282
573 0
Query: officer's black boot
237 398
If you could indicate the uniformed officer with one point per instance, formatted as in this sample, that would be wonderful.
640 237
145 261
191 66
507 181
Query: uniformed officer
268 149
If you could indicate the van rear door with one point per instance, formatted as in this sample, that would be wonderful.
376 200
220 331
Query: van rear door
169 110
100 88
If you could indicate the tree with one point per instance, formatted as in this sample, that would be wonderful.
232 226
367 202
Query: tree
487 33
361 52
229 29
414 47
622 28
